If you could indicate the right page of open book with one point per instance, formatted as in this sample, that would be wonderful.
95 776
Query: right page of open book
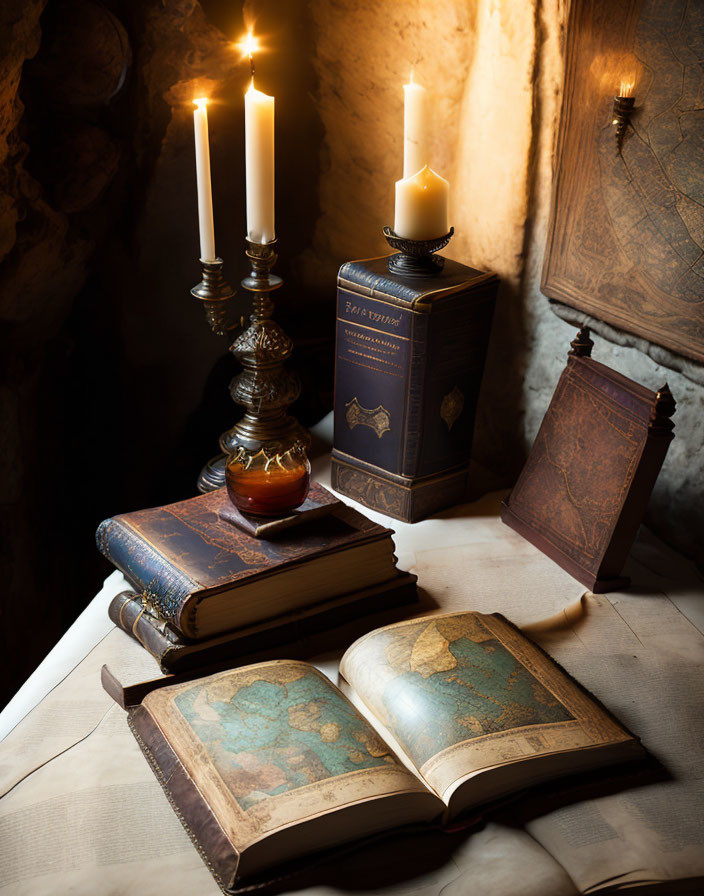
465 692
638 653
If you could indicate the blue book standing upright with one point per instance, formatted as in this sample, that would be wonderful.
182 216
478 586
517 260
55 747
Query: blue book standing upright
410 355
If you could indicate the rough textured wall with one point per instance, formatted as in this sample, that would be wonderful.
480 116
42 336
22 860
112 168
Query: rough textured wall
497 69
676 509
478 57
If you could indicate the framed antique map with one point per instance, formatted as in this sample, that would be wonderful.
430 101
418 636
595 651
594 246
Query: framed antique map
626 238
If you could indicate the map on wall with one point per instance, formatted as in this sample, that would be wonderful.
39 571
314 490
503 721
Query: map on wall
626 241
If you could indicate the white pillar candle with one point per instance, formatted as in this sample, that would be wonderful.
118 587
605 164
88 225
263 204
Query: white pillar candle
259 157
416 128
205 193
421 206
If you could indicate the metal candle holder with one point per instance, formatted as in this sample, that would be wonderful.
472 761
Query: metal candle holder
264 387
623 107
416 258
215 294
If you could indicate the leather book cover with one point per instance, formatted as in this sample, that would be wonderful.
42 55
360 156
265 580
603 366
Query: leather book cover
409 361
319 502
174 653
583 491
182 553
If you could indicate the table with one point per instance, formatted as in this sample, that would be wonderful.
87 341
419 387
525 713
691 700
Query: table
81 810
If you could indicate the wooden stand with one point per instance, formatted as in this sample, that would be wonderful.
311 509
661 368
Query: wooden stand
583 491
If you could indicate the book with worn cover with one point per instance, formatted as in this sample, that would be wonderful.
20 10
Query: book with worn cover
409 362
583 491
174 653
201 575
435 716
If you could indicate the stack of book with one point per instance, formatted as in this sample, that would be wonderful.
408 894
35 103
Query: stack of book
205 588
269 762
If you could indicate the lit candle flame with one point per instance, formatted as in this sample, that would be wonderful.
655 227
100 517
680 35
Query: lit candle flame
626 88
248 46
201 102
410 80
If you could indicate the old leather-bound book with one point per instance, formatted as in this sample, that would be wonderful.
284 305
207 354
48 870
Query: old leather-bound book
409 364
201 575
268 763
583 491
303 627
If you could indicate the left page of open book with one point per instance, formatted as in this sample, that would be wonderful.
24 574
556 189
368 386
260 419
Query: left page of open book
275 745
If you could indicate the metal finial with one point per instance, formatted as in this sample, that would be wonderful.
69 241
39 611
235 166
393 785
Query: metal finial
582 344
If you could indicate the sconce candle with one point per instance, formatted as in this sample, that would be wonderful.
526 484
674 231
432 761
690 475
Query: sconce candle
415 127
421 206
205 193
259 157
622 109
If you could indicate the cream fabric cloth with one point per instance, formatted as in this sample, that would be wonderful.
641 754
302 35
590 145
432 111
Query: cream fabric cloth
82 813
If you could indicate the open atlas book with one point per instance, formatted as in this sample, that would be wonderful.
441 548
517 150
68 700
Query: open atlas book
434 716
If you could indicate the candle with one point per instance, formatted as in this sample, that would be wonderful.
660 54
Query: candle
421 206
259 156
415 127
205 195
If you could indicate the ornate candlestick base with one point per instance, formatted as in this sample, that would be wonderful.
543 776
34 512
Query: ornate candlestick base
415 258
265 388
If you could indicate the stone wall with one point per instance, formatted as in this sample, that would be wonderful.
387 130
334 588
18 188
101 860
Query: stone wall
497 69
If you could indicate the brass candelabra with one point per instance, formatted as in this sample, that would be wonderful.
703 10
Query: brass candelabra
265 388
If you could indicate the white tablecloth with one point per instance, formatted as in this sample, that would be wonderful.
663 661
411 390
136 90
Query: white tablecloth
60 720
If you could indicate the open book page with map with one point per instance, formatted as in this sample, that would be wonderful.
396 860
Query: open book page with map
268 762
476 708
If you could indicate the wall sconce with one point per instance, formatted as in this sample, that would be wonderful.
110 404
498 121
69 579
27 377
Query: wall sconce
623 107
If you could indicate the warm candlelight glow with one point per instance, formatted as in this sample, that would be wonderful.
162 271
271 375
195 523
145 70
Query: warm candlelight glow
249 45
201 102
626 88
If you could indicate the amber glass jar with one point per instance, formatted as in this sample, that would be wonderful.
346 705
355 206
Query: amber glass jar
268 484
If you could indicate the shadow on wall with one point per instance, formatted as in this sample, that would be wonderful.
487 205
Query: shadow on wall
112 389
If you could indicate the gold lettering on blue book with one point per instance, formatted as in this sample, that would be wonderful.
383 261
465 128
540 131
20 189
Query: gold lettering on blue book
378 419
376 316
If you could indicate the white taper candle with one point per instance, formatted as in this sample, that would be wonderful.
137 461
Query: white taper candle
416 128
259 157
205 193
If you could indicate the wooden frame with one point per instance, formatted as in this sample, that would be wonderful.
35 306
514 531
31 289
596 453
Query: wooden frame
626 237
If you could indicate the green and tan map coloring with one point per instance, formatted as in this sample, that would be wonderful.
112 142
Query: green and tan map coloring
283 730
440 682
